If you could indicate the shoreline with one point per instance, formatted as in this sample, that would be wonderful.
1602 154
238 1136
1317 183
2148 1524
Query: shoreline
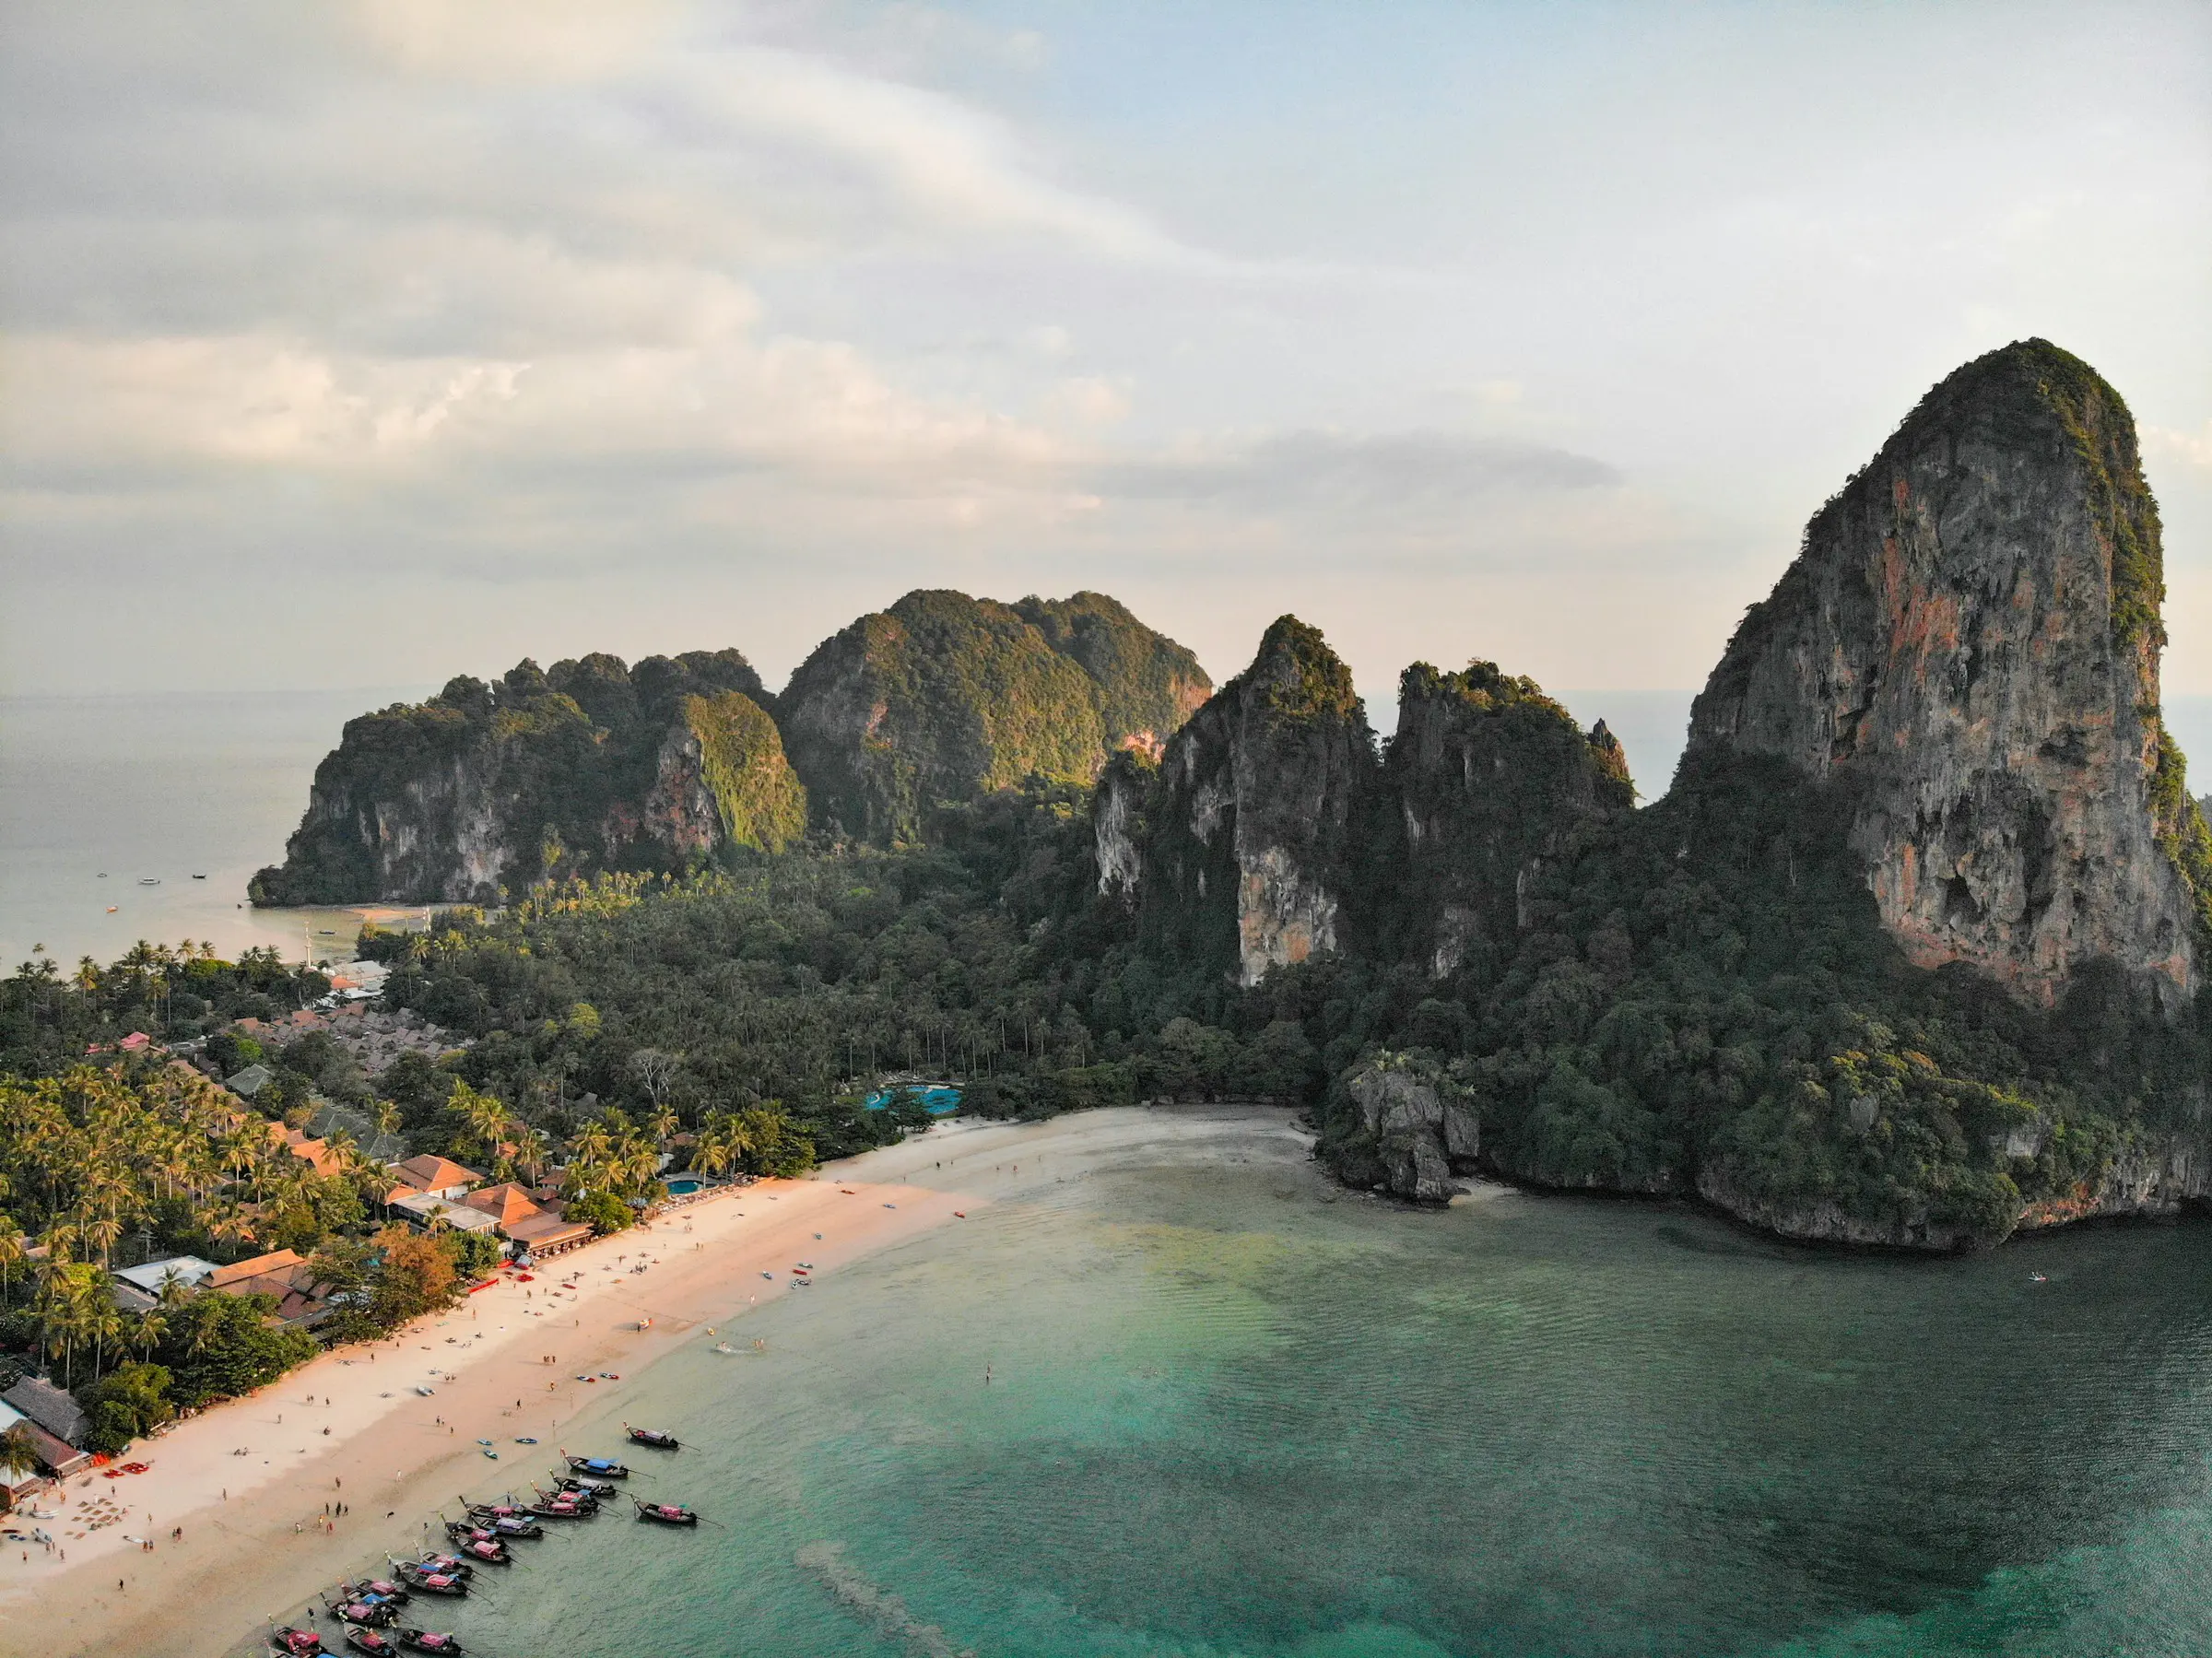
254 1547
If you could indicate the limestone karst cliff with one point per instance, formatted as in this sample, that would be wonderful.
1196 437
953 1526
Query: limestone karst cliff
1487 778
1909 954
1237 849
1968 647
942 698
593 765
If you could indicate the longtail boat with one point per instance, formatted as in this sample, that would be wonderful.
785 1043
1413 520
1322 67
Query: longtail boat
429 1581
425 1640
604 1467
371 1643
665 1514
375 1614
565 1505
598 1490
652 1437
295 1642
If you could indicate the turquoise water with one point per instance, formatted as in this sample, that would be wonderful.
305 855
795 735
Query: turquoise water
939 1100
1226 1416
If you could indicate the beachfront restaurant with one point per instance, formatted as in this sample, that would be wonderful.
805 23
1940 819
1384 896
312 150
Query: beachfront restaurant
56 1424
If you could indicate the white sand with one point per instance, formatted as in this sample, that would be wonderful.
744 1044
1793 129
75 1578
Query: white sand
351 1426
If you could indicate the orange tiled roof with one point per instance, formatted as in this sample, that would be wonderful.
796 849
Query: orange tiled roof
506 1202
428 1173
225 1277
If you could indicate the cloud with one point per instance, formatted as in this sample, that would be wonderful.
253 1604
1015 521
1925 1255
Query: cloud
1409 470
2192 448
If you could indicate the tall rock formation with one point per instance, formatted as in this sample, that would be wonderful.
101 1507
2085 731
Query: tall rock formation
593 765
1489 778
1969 645
944 697
1238 851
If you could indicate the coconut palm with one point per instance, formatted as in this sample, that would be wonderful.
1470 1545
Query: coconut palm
19 1451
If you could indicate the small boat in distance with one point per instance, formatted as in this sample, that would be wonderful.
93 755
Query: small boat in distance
199 877
652 1437
147 880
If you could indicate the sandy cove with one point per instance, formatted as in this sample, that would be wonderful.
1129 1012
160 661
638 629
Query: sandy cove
254 1545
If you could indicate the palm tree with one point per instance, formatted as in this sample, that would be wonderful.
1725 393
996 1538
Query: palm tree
12 1252
19 1451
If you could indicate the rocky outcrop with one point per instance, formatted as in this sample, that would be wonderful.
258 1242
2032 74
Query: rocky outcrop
1247 850
1968 648
1402 1125
591 766
1487 777
944 697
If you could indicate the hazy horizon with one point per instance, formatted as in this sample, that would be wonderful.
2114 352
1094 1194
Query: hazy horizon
387 341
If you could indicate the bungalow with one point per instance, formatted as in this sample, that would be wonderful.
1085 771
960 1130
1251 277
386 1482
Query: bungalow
439 1176
57 1459
423 1208
282 1275
189 1270
506 1204
48 1409
546 1233
251 1081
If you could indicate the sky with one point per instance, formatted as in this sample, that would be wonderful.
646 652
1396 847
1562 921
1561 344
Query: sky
366 343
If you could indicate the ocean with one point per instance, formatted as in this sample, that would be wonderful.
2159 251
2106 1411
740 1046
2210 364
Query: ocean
1215 1410
100 795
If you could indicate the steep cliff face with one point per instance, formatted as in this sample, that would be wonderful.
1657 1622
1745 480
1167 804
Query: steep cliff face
944 697
1247 852
1968 646
591 766
1489 778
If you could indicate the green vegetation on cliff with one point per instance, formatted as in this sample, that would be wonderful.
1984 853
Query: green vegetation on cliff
490 787
1147 685
757 794
942 698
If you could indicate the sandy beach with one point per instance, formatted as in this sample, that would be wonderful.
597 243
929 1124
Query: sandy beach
350 1426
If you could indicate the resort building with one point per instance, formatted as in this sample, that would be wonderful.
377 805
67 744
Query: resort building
423 1207
283 1274
437 1177
55 1423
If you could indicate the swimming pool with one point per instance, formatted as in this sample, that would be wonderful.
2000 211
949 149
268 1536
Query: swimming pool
940 1098
683 1186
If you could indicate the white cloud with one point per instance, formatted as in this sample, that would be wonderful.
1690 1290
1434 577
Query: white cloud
2192 448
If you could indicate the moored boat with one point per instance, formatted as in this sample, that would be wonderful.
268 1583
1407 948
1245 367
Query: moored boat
598 1490
665 1513
427 1641
601 1466
375 1614
372 1642
296 1642
652 1437
429 1581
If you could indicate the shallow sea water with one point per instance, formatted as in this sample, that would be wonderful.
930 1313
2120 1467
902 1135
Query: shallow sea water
1228 1416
